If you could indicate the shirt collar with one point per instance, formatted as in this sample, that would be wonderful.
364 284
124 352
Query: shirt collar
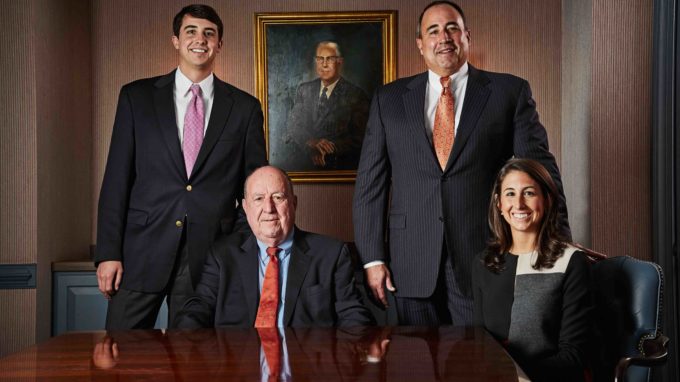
330 87
285 246
183 83
456 78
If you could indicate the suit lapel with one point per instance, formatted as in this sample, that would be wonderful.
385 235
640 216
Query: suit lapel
164 104
221 108
476 96
414 106
249 270
297 270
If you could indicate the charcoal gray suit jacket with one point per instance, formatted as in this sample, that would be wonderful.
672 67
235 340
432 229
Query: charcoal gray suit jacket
429 206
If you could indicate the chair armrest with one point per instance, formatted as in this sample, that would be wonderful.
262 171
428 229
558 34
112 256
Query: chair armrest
653 350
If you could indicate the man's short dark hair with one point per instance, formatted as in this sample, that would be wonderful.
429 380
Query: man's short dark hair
199 11
440 2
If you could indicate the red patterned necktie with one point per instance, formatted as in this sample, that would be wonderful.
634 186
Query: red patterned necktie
269 297
271 345
193 129
444 124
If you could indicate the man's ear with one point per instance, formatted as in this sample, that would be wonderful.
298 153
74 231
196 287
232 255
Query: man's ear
175 41
419 43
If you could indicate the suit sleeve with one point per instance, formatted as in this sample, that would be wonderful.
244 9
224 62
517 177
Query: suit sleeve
531 141
348 303
372 188
571 358
199 310
119 177
255 156
478 307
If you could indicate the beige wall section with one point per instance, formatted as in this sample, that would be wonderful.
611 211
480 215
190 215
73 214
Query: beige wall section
18 168
46 154
64 140
577 47
131 40
621 128
17 319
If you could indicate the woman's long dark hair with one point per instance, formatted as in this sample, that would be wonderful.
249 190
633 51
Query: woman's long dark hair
551 239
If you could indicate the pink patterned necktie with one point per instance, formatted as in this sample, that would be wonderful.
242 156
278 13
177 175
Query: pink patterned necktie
444 124
193 128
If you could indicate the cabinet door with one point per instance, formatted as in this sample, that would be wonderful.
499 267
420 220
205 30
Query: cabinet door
78 305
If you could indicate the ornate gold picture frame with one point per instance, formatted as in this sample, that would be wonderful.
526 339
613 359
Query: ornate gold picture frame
317 137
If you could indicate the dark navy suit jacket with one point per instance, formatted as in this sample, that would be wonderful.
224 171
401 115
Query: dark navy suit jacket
146 202
320 289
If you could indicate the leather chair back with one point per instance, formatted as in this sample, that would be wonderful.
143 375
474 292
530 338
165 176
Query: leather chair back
628 302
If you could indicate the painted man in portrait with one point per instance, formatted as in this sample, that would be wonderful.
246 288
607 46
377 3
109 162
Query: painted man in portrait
329 114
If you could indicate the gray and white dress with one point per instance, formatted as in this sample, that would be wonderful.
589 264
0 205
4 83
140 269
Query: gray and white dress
542 317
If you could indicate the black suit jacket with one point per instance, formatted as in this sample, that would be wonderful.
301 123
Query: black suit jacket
145 202
320 289
343 122
429 206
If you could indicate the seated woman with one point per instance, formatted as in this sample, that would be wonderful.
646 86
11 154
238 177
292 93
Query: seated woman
531 287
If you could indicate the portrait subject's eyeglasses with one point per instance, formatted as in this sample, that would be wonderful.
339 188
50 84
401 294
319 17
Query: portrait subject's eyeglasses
329 59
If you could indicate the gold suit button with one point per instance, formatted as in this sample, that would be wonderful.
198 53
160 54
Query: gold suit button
179 223
189 188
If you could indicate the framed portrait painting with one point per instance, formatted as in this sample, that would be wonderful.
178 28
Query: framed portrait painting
315 75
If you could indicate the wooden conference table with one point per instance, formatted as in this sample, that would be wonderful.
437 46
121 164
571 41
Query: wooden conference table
354 354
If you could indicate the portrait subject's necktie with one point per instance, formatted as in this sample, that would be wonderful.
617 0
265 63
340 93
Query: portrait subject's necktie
269 297
193 129
271 346
323 103
444 124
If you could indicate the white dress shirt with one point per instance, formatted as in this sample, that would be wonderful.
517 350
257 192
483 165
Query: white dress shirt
329 88
183 96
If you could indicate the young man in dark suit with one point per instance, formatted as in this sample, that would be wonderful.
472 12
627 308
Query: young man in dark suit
278 275
437 140
181 147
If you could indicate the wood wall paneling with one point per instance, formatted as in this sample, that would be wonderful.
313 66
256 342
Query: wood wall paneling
18 169
64 140
621 128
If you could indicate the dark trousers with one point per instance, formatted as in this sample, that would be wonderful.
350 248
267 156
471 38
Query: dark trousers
448 305
130 309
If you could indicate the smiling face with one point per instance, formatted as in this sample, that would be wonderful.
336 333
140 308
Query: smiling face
444 42
328 64
198 44
521 203
269 204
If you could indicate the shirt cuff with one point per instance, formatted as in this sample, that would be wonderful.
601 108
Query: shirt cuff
372 263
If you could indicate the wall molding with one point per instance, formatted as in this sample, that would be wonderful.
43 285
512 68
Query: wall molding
17 276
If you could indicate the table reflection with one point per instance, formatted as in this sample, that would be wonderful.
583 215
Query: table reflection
399 353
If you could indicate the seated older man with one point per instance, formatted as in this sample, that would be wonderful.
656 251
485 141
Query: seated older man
278 275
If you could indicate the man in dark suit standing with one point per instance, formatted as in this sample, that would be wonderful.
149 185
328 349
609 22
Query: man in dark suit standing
437 140
329 115
311 275
181 147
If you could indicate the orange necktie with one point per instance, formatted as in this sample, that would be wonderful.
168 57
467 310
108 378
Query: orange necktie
269 298
271 345
444 124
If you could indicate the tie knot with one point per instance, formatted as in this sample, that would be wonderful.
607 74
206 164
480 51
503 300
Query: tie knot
445 83
272 251
196 89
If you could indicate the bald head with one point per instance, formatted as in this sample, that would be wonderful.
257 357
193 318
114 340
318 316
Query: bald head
270 203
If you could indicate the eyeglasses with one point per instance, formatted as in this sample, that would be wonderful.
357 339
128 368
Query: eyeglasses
329 59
